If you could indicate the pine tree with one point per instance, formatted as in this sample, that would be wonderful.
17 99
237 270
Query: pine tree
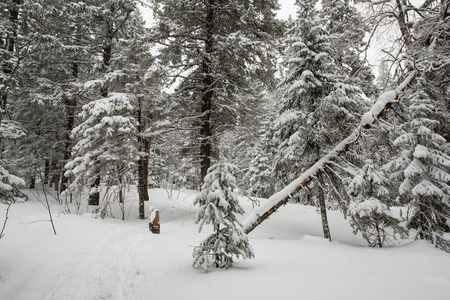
424 169
259 179
141 76
106 146
348 29
217 50
372 217
318 108
219 205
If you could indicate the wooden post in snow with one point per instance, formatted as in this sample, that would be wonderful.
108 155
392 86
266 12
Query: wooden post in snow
154 221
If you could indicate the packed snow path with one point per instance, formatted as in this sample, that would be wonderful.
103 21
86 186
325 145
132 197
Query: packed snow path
107 271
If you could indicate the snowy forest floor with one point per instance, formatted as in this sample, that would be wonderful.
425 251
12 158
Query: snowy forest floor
91 258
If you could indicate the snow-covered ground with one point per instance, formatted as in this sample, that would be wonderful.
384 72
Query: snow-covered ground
91 258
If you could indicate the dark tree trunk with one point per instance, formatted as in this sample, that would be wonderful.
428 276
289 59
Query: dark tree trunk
144 145
379 241
207 93
94 198
46 170
143 177
32 184
55 174
70 104
402 22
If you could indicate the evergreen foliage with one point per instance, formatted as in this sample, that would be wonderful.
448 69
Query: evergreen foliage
219 51
372 218
106 144
347 30
424 169
259 179
219 205
368 210
317 109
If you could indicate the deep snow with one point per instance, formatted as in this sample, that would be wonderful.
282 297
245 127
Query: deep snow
91 258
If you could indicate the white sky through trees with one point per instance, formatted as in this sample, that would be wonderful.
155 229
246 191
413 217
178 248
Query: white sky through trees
287 8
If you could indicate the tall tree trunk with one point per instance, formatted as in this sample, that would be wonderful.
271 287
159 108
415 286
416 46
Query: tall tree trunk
46 170
144 145
94 198
207 93
55 174
402 22
70 104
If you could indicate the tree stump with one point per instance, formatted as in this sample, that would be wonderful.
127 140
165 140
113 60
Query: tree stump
154 221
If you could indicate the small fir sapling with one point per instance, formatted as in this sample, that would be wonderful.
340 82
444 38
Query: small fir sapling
372 218
219 205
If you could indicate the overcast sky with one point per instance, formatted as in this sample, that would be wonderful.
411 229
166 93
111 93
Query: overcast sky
287 8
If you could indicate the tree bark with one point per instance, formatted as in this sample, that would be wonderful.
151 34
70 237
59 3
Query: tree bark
402 23
207 93
55 174
70 104
144 145
94 198
46 170
323 213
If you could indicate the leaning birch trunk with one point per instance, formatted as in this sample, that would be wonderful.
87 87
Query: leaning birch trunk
282 197
323 213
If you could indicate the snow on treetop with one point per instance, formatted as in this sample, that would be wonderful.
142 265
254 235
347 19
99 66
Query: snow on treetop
367 208
10 179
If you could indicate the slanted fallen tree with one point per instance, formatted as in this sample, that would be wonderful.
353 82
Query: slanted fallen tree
282 197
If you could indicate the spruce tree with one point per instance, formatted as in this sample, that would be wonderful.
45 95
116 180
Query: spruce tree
219 205
105 147
259 179
317 108
348 29
424 169
217 50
